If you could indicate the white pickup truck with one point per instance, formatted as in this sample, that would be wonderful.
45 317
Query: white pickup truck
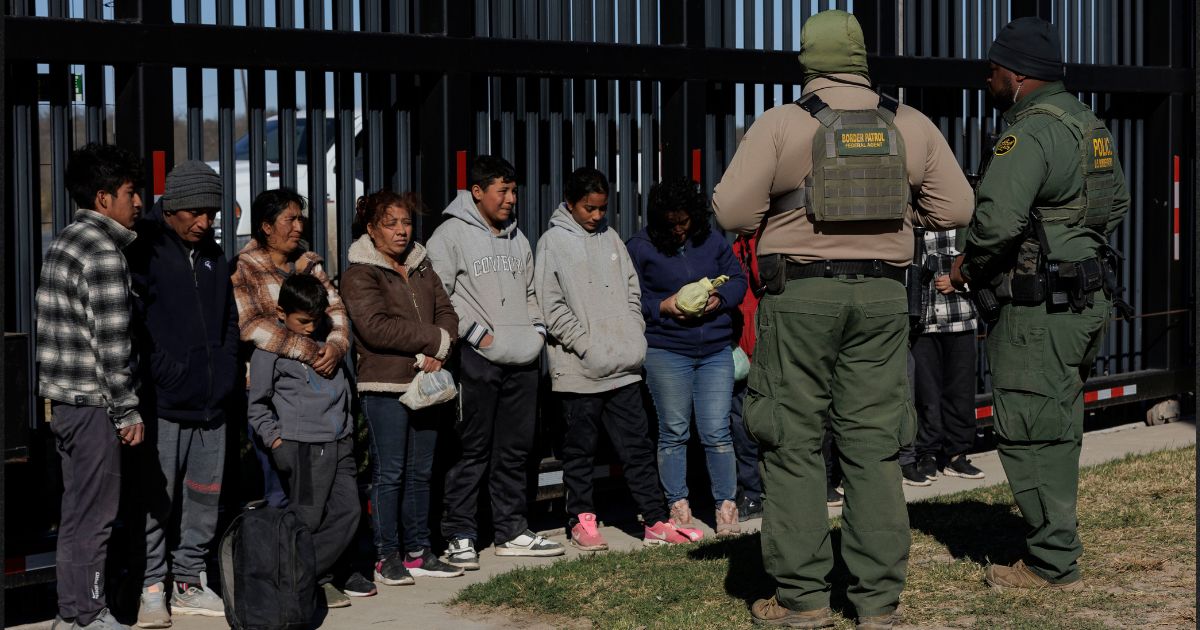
241 156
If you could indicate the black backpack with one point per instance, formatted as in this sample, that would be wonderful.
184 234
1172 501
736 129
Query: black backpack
268 571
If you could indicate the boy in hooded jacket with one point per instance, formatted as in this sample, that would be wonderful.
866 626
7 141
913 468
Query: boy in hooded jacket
591 300
486 266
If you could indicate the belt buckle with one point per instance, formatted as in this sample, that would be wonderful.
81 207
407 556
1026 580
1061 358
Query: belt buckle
828 268
876 268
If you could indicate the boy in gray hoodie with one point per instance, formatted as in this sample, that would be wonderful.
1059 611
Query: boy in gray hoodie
590 296
305 420
486 265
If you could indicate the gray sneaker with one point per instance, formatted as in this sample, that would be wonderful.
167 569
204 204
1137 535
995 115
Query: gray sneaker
530 544
196 599
104 622
152 611
334 598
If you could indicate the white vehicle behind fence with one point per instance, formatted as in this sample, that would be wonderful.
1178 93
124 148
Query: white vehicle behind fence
241 156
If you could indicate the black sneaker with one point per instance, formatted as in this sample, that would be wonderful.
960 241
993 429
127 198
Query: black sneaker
833 498
927 466
961 467
749 508
391 571
914 477
425 564
359 586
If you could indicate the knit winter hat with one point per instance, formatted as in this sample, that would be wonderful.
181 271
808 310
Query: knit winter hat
192 185
832 42
1029 46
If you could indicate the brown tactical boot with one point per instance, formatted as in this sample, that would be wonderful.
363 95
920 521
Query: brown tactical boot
878 622
681 514
1002 578
727 519
769 612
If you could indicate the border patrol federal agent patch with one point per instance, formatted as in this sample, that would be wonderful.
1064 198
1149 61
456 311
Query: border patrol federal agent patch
1006 144
863 141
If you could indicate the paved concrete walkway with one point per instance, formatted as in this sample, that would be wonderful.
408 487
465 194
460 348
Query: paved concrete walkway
421 605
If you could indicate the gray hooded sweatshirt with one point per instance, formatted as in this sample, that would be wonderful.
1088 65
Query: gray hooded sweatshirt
489 278
591 299
289 400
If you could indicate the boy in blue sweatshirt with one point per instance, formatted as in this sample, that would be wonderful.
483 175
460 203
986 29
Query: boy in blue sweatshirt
305 419
486 266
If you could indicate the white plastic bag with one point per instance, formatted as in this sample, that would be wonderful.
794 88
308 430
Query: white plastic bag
429 388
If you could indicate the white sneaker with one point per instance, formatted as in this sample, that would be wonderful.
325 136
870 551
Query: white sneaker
530 544
461 553
196 599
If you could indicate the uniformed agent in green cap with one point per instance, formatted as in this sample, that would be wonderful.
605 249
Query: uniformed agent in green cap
836 181
1048 200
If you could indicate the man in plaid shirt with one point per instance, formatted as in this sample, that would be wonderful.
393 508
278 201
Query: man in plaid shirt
84 354
943 375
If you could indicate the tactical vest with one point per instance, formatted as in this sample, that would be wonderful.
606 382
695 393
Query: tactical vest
858 169
1026 281
1097 160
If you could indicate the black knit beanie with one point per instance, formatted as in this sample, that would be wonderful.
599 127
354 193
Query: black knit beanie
192 185
1029 46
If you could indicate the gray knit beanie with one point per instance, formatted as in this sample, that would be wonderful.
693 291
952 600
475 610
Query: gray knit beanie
192 185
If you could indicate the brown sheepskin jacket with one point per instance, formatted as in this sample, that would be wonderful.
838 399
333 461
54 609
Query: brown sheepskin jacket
395 319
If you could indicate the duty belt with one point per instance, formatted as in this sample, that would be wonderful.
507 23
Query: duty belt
832 268
1062 284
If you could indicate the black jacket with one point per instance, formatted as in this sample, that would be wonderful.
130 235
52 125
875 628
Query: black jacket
187 321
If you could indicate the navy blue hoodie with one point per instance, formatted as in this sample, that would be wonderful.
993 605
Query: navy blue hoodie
188 322
661 276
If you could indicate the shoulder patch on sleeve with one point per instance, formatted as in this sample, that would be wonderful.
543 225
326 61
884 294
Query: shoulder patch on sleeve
1005 144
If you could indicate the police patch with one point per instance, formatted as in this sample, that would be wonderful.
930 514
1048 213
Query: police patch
1006 144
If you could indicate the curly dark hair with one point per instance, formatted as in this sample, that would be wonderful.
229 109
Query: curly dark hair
675 195
370 208
97 167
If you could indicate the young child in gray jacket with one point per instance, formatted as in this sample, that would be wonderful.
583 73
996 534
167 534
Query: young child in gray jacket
590 298
305 420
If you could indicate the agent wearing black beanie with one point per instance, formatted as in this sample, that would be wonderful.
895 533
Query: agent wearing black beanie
1029 46
1049 198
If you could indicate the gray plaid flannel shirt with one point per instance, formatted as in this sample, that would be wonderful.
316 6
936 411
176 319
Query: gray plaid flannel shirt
84 347
946 313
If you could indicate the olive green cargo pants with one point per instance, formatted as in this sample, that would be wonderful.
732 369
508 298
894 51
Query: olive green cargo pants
836 347
1039 362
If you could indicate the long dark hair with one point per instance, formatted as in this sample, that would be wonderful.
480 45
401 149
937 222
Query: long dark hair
675 195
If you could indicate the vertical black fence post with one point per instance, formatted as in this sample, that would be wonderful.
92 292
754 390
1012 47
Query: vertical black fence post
446 112
683 103
144 117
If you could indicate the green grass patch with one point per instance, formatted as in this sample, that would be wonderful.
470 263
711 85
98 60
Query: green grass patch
1137 520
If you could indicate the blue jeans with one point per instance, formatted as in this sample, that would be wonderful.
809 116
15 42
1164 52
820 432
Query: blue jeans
679 385
402 443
